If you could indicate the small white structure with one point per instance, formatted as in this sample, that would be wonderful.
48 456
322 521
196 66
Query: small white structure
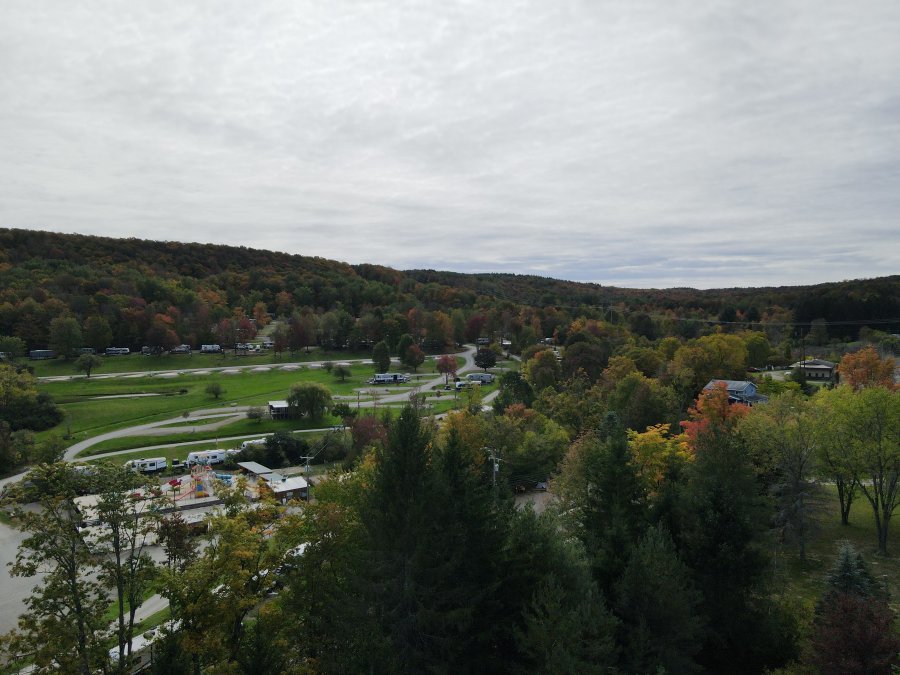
815 369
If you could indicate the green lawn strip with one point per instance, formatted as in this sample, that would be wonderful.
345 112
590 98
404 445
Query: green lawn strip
140 363
241 427
808 582
189 422
112 612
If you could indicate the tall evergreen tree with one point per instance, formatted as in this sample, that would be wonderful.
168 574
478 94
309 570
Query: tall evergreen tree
723 519
657 603
613 510
561 622
853 629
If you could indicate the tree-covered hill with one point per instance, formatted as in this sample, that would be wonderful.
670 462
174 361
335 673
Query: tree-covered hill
184 291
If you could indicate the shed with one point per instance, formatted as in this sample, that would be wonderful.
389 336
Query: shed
285 488
279 409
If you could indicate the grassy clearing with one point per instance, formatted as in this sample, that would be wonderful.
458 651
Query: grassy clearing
808 582
88 416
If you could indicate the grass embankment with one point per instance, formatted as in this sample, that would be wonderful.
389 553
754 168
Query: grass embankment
808 582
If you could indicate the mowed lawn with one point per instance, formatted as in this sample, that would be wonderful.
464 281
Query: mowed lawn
138 363
808 582
87 415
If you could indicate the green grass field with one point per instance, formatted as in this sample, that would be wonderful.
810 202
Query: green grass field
96 406
807 583
90 416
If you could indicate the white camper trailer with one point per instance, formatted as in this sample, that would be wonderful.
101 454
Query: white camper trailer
205 457
151 465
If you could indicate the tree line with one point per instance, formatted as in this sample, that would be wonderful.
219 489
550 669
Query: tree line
132 293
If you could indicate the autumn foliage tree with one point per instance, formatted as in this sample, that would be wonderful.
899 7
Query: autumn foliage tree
712 415
446 365
866 369
413 357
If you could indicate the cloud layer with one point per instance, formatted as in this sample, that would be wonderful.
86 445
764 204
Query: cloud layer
633 143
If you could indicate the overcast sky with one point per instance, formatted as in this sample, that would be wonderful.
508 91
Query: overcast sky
665 143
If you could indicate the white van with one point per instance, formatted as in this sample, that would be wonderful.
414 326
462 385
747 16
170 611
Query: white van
205 457
483 378
150 465
210 349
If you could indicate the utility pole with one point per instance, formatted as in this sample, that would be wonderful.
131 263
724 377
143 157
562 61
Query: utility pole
495 467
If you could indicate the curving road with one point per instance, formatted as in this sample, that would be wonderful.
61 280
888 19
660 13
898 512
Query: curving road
231 414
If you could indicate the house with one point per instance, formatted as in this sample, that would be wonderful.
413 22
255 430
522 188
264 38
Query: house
285 488
739 391
282 487
815 369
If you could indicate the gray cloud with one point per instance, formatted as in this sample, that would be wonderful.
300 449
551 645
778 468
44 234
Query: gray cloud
636 143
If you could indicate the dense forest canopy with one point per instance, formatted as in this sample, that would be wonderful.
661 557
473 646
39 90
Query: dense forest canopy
134 285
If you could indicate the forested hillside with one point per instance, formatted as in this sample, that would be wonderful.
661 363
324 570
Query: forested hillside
126 287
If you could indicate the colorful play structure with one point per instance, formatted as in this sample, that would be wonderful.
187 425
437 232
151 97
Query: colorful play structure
200 484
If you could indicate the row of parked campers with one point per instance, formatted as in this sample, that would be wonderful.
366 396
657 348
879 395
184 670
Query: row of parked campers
203 457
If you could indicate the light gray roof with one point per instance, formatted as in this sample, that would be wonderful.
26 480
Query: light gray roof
820 363
255 468
730 385
288 484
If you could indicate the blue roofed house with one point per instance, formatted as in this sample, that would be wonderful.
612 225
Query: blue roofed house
739 391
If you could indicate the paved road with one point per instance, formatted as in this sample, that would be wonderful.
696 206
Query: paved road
15 589
210 369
